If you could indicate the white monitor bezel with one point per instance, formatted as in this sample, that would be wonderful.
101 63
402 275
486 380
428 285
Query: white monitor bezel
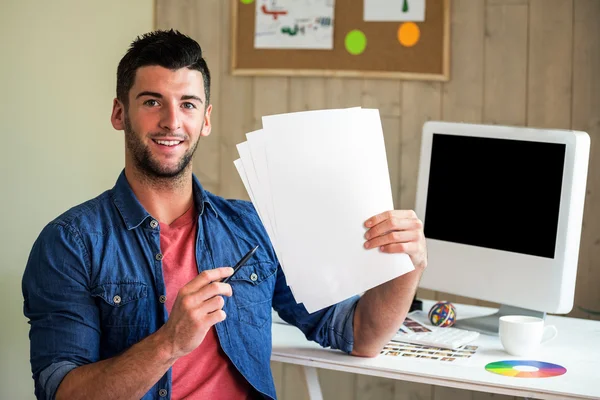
519 280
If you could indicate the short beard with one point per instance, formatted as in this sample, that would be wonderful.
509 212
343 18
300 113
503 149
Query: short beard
149 168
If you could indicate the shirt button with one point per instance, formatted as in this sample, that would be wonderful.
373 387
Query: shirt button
162 298
153 224
253 277
117 299
162 392
159 256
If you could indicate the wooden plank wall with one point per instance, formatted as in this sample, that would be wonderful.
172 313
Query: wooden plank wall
521 62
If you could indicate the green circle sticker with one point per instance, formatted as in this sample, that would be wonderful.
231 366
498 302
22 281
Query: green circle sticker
247 1
356 42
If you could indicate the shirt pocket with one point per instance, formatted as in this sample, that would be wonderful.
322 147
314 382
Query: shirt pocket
253 287
124 310
123 304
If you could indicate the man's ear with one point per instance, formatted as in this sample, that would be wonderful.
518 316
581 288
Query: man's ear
118 115
207 127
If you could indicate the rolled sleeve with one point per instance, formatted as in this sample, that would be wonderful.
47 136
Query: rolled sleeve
52 376
64 322
341 326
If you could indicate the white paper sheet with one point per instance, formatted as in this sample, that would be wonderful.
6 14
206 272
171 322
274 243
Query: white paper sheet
394 10
257 191
247 176
294 24
328 174
256 143
314 178
253 187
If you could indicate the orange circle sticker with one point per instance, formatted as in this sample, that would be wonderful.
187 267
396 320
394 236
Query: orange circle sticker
409 34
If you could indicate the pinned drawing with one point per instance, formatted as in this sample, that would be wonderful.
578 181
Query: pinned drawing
294 24
394 10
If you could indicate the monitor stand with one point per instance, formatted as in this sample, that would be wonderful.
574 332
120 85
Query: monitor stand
489 324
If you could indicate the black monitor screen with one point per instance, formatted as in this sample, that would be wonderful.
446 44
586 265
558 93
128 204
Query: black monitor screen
495 193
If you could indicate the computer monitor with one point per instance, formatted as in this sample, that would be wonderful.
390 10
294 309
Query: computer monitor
502 209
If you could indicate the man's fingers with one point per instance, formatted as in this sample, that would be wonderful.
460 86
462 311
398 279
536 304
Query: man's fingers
216 317
397 248
212 305
393 224
210 318
214 289
195 300
381 228
211 290
393 237
376 219
206 277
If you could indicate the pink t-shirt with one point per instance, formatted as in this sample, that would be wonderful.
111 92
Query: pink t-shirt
206 372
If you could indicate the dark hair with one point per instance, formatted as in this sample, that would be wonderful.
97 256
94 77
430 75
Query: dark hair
169 49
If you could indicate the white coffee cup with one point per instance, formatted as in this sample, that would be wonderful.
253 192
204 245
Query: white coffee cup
522 335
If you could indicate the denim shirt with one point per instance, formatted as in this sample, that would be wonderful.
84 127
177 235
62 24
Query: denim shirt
93 287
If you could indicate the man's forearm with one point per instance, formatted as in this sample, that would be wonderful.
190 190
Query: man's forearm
381 311
127 376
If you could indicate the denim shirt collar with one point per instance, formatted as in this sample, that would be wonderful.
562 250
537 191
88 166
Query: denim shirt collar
132 211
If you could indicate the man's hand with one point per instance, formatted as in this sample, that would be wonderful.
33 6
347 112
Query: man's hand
398 231
381 310
197 308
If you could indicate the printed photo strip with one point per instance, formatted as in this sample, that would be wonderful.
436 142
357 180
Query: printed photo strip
400 349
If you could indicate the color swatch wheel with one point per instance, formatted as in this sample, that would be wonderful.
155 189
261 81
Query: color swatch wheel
525 369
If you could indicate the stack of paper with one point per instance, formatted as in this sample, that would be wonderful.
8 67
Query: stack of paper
314 178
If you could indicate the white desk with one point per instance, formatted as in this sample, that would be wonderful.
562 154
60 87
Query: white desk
577 348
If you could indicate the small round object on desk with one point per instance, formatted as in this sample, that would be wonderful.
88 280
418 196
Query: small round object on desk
442 314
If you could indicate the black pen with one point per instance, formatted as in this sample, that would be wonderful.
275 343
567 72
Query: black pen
240 264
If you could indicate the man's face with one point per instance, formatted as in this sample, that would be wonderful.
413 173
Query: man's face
166 117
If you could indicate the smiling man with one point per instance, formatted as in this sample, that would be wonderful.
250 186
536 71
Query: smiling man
124 292
170 149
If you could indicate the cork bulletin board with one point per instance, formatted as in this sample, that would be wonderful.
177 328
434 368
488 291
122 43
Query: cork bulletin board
358 46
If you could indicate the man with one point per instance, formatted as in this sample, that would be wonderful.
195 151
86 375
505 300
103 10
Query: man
124 292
